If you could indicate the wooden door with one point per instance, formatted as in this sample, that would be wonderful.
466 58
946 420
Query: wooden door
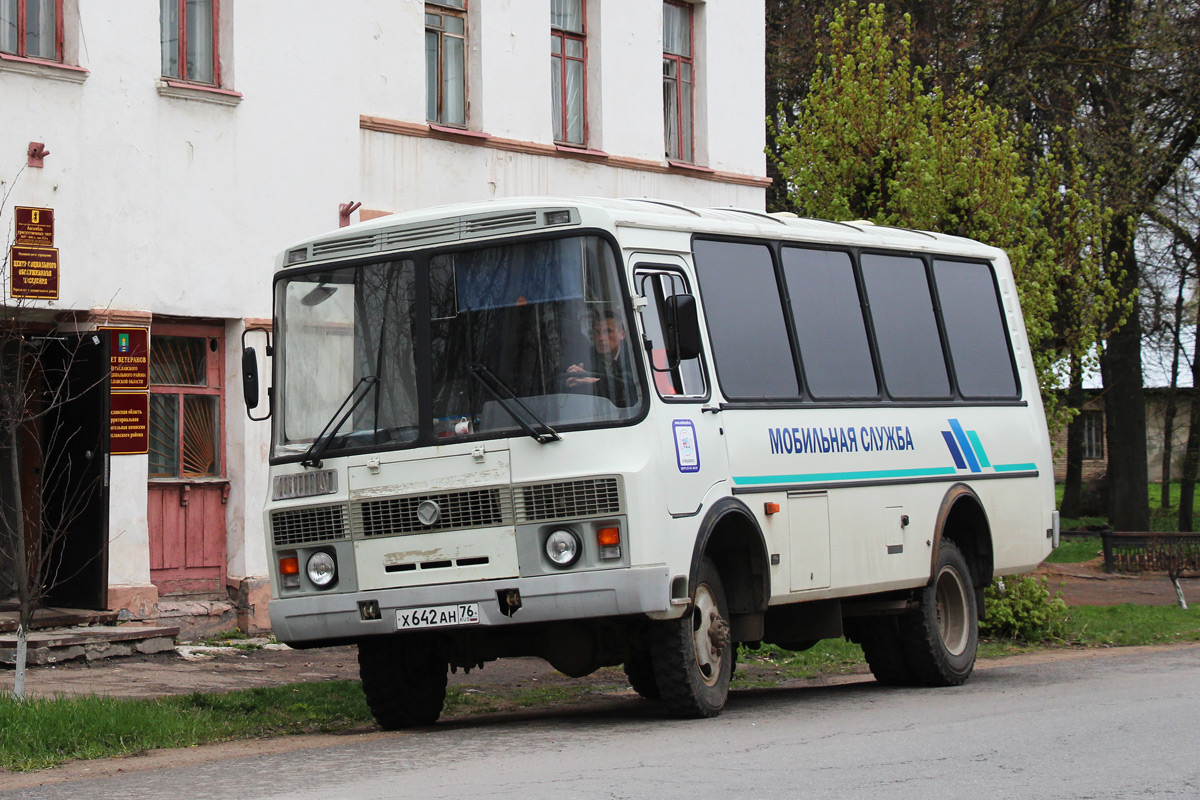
188 487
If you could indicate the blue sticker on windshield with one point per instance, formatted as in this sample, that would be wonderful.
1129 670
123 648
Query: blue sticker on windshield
687 450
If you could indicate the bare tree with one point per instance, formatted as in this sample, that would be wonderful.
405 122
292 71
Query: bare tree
44 485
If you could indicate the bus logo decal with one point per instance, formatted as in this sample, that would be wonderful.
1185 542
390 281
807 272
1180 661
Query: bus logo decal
965 448
687 450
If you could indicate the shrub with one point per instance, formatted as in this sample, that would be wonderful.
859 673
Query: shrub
1022 608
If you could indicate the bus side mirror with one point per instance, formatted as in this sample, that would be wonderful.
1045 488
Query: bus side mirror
682 329
250 378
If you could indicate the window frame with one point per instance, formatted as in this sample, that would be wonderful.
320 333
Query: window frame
1092 439
182 39
687 156
563 36
214 386
652 270
446 9
23 31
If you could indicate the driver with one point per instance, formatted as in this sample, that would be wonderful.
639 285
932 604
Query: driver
610 369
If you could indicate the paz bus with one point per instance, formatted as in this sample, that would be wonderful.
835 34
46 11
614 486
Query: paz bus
629 432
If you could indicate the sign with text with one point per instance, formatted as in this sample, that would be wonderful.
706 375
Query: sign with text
128 359
35 226
129 423
33 272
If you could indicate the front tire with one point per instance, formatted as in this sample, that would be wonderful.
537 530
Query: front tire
404 680
941 635
639 669
693 655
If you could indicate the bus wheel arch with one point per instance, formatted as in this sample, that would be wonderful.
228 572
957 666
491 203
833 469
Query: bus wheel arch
732 540
963 520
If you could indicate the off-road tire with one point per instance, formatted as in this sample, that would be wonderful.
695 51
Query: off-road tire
692 655
941 634
404 680
640 671
883 649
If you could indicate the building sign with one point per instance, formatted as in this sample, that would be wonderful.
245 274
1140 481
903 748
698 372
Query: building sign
129 423
33 272
128 359
35 226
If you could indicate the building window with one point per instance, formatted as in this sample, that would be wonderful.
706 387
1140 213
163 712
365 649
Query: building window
189 40
446 62
678 80
31 28
568 61
1093 434
185 406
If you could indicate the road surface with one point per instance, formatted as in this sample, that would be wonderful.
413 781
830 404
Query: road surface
1116 724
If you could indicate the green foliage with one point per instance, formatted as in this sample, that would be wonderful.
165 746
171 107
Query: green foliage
1132 625
1022 608
876 139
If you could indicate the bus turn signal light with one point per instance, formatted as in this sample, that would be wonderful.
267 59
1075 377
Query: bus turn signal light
289 571
771 508
609 540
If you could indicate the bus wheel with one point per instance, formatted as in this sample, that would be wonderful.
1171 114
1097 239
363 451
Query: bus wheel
941 635
640 671
404 680
883 649
693 655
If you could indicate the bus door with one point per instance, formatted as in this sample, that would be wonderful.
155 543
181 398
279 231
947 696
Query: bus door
694 457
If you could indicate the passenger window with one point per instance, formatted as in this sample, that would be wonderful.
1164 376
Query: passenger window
745 320
687 379
975 329
906 331
831 333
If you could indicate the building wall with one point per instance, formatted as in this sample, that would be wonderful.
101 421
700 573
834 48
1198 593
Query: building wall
173 202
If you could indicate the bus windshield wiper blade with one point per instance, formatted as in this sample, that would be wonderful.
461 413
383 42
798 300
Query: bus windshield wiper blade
486 378
312 458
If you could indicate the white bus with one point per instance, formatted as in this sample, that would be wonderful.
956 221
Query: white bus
628 432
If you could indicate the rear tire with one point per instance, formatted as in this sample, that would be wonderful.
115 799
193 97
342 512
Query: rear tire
941 635
693 655
640 671
404 680
883 649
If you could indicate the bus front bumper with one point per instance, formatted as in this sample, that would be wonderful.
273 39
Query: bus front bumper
319 618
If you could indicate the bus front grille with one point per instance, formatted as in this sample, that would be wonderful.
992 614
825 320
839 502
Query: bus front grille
475 508
582 498
302 525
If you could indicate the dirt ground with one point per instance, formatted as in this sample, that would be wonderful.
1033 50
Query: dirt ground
214 670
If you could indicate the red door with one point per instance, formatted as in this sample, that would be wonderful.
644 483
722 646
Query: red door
188 487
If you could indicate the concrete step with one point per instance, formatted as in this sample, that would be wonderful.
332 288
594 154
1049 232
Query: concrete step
91 643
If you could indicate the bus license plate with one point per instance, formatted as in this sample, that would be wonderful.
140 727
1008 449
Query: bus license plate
437 616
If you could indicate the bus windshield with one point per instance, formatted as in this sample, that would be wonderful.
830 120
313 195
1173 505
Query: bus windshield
449 345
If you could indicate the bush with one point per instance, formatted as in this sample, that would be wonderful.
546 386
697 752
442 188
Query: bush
1022 608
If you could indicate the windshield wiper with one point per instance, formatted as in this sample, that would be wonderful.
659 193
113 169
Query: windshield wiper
486 378
312 458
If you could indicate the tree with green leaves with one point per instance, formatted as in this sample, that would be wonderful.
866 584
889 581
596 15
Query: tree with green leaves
877 138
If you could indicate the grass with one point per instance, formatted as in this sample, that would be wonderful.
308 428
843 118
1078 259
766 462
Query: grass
1129 624
1161 519
40 732
1075 551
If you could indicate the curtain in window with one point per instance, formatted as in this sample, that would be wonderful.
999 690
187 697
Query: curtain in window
454 80
168 30
40 30
8 26
677 30
574 91
567 15
200 41
671 107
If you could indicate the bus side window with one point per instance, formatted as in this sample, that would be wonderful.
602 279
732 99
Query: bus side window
687 378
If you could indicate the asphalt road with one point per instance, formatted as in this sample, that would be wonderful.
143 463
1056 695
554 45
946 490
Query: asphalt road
1113 725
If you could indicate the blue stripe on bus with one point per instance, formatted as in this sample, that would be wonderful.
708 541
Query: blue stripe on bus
978 445
954 451
966 446
1014 467
870 474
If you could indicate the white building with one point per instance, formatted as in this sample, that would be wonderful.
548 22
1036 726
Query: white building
182 144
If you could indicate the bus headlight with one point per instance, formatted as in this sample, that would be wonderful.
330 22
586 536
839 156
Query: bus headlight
563 548
322 570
